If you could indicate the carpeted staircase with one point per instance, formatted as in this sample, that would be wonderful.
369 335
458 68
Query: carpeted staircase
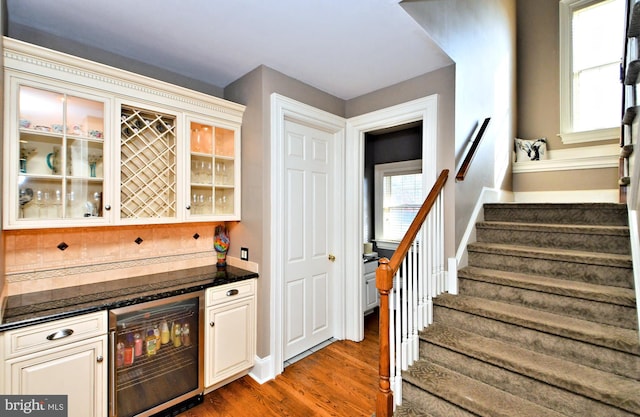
544 324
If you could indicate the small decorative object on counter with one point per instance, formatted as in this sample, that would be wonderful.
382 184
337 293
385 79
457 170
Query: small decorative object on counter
221 244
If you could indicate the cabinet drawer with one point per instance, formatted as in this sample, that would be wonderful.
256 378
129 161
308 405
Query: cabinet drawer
47 335
230 292
370 267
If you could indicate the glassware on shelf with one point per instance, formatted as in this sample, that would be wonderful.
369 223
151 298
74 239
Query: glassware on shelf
206 140
221 173
25 153
93 160
196 141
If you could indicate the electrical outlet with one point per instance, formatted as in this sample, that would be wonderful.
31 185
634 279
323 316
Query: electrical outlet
244 254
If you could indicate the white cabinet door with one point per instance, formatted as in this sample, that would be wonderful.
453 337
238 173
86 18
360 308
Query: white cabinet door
77 370
230 340
370 292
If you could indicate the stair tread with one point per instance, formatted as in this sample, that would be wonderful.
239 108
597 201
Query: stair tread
473 395
557 227
409 409
617 338
596 258
603 386
602 293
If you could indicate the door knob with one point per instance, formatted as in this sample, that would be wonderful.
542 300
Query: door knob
332 257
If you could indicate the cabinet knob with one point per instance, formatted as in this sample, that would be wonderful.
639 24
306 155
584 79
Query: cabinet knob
99 359
188 207
212 324
107 207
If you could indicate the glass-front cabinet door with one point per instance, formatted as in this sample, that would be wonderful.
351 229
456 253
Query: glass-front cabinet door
57 158
213 171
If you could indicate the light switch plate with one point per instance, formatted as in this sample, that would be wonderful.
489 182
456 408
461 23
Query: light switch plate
244 254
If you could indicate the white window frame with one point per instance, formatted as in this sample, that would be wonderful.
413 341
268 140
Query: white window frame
568 136
380 171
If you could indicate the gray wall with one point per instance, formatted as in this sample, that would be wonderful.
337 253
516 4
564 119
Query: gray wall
480 38
442 83
254 91
539 99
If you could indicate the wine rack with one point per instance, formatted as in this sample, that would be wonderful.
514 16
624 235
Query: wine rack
147 164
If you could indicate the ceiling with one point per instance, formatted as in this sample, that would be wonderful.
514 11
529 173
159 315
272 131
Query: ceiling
344 47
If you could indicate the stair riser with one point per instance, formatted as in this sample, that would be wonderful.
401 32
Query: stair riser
435 406
599 312
597 214
594 274
538 392
588 354
544 239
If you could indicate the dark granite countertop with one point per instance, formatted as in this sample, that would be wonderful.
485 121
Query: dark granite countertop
42 306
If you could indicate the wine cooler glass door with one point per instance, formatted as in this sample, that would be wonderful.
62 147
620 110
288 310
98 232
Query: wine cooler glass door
156 355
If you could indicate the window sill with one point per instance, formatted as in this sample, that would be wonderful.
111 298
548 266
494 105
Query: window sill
387 244
592 157
590 136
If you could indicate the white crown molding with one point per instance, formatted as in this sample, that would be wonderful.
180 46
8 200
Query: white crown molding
588 157
27 58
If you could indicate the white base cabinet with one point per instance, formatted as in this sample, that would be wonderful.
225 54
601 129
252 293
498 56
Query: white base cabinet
370 291
230 335
77 369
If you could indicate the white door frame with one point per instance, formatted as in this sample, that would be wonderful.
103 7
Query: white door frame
350 135
424 109
283 108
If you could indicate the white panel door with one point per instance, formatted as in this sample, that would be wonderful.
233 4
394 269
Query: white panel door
308 223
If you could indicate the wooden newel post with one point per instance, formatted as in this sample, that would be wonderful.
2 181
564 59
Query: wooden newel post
384 283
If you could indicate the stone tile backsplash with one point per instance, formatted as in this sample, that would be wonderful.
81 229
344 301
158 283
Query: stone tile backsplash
33 261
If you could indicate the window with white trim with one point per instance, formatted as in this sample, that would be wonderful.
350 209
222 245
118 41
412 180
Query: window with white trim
591 39
398 197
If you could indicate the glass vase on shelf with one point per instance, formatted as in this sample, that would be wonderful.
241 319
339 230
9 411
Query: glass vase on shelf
93 160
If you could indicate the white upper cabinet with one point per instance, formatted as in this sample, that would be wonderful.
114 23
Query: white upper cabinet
87 144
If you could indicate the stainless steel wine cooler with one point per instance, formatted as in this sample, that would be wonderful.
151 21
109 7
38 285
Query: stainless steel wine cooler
156 355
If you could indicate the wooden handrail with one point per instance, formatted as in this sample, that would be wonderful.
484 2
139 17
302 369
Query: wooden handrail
384 283
462 172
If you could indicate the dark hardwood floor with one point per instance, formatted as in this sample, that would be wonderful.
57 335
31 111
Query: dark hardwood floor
339 380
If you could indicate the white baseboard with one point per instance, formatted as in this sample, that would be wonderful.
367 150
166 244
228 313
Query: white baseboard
452 276
263 370
577 196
